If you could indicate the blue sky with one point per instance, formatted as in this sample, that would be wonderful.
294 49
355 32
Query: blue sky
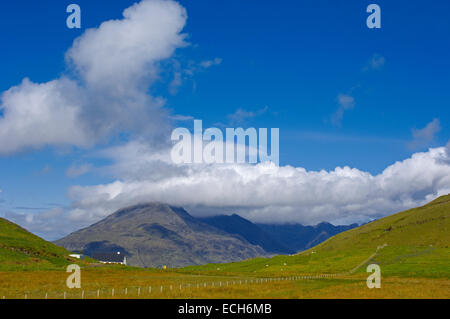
271 64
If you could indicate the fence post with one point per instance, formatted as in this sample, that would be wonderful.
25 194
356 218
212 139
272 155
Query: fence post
149 290
98 293
139 291
82 294
112 292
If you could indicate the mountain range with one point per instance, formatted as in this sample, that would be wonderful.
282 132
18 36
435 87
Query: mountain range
273 238
300 237
157 234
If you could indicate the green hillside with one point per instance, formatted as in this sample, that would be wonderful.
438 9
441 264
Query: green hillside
21 250
413 243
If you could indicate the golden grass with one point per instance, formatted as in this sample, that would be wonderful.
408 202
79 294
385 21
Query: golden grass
127 284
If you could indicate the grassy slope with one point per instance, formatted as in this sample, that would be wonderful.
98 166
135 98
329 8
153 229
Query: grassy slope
417 246
21 250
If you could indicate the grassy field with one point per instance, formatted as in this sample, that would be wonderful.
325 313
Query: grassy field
100 283
410 247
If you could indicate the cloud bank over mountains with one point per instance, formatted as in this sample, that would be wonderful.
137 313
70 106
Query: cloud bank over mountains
262 193
265 192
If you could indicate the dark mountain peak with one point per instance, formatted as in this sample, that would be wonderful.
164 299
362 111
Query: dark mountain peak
151 212
142 207
323 224
155 208
244 228
240 219
298 237
234 217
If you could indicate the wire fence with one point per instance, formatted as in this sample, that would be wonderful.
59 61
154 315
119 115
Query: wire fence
160 291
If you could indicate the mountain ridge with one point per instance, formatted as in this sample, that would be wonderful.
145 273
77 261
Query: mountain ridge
157 234
302 237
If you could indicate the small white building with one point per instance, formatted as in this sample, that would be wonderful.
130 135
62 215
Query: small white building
77 256
111 258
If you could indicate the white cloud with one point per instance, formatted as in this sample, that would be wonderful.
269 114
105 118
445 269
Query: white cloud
120 54
36 115
376 62
241 115
447 149
115 65
424 137
185 71
346 102
78 170
175 83
181 118
209 63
